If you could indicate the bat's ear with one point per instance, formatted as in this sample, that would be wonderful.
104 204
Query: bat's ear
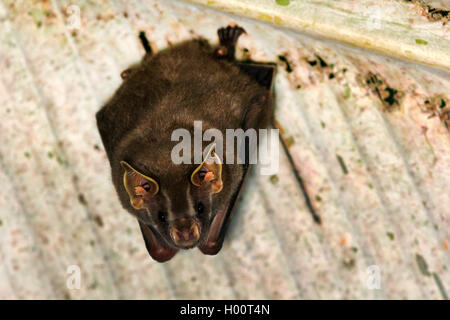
209 172
139 187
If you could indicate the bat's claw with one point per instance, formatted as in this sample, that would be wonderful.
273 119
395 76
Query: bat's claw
228 38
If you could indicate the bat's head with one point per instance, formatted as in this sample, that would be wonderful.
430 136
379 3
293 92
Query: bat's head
174 201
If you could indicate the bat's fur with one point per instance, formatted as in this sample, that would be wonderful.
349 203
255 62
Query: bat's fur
171 90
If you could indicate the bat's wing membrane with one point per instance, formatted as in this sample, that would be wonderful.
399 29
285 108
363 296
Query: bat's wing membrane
155 247
221 221
263 73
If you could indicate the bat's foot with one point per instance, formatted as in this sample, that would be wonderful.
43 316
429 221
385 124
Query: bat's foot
228 38
145 43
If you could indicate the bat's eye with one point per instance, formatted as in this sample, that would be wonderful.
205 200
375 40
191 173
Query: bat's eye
162 216
200 208
202 173
146 186
142 189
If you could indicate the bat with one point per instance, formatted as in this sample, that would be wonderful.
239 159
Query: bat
187 205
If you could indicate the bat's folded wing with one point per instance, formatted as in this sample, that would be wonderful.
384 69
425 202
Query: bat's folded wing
263 73
220 223
155 246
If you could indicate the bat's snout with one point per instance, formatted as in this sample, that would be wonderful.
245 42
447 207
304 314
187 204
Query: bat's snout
185 232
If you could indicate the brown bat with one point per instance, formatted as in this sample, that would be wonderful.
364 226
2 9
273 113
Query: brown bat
181 206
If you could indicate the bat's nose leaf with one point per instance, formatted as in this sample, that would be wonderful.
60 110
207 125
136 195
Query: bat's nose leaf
185 232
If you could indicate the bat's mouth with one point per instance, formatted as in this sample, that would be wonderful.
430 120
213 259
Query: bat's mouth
185 232
187 246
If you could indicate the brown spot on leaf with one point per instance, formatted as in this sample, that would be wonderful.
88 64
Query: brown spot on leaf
286 63
82 199
349 262
319 64
98 220
438 106
431 13
389 97
289 141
